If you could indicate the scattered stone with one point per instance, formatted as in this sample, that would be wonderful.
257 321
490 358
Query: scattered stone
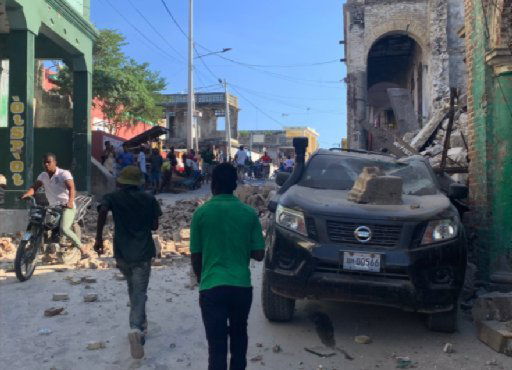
448 348
91 297
61 269
119 276
75 281
89 280
363 339
44 331
60 297
491 363
277 348
168 300
172 346
257 358
185 234
259 345
157 262
53 311
92 346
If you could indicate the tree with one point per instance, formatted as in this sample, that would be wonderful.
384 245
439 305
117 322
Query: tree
128 91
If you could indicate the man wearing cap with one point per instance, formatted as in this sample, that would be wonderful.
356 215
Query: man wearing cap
135 215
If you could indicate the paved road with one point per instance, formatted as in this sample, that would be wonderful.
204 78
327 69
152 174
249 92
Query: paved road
176 337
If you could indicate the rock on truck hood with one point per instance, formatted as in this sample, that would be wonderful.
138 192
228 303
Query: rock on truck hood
334 203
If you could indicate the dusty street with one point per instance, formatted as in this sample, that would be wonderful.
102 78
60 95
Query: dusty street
176 337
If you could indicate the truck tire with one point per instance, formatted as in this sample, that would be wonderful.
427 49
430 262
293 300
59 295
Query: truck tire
275 307
444 322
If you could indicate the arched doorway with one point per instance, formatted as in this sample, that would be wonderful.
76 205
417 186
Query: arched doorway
395 61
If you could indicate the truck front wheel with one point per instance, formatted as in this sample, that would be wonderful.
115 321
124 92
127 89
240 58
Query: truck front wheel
275 307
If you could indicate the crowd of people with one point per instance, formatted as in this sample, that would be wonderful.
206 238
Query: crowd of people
158 168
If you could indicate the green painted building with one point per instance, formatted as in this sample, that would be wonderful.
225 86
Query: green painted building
32 30
488 34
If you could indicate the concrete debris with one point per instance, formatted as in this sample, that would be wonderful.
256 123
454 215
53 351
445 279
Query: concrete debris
57 297
74 280
89 280
277 349
372 188
496 335
323 352
448 348
92 346
119 277
257 358
493 306
44 331
53 311
363 339
426 132
91 297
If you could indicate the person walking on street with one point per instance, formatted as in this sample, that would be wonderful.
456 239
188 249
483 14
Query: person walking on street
208 158
288 164
240 160
125 158
156 168
141 160
59 188
135 215
221 249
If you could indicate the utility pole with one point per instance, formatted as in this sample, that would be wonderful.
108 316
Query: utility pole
191 98
228 122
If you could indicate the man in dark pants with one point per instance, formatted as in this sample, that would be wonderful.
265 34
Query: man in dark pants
225 235
135 214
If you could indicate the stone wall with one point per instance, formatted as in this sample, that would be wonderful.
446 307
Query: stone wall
432 24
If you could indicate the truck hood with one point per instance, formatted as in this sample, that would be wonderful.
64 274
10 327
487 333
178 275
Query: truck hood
334 203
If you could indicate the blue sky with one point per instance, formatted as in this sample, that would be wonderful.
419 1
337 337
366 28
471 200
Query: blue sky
280 40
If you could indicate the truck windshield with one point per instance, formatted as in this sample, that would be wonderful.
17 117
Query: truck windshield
340 173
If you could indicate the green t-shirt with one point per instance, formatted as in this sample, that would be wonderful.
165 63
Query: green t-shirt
225 231
134 213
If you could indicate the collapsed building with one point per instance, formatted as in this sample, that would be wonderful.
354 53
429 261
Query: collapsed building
402 59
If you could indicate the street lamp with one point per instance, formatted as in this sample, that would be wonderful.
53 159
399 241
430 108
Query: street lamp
213 53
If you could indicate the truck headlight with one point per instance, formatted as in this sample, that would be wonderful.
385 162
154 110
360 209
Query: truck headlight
440 230
291 219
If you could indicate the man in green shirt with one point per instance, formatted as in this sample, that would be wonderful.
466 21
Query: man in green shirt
207 156
135 214
225 235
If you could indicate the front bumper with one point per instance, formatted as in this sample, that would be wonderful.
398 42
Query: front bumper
426 279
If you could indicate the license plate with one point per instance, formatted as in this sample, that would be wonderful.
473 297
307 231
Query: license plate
355 261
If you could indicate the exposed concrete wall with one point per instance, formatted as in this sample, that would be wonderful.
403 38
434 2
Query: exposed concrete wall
13 220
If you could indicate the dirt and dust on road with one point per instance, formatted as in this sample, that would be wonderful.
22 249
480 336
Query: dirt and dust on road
71 317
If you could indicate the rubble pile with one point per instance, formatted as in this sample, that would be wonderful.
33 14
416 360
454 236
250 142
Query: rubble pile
430 140
256 196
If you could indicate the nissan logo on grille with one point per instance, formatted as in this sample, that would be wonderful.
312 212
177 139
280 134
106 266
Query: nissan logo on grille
363 234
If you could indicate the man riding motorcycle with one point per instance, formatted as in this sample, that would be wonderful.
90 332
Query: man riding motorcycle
60 191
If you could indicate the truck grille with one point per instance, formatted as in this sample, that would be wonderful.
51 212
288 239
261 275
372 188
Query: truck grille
383 235
311 228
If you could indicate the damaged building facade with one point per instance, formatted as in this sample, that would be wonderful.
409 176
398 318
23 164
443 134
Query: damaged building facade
488 36
402 59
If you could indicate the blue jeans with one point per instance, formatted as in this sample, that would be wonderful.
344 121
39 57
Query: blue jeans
137 276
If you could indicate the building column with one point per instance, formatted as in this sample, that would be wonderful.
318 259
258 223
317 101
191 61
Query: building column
21 50
82 101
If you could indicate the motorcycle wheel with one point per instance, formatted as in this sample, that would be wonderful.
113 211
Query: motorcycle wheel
26 259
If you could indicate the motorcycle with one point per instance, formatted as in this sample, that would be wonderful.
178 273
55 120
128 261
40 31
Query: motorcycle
43 236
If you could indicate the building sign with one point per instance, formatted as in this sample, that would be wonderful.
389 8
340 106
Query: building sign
258 138
17 141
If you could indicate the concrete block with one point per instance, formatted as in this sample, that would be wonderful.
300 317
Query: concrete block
426 132
372 188
496 335
493 306
401 102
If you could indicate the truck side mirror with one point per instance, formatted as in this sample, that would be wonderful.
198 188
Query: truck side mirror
458 191
281 178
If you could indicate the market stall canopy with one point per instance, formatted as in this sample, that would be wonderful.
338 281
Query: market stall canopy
151 134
